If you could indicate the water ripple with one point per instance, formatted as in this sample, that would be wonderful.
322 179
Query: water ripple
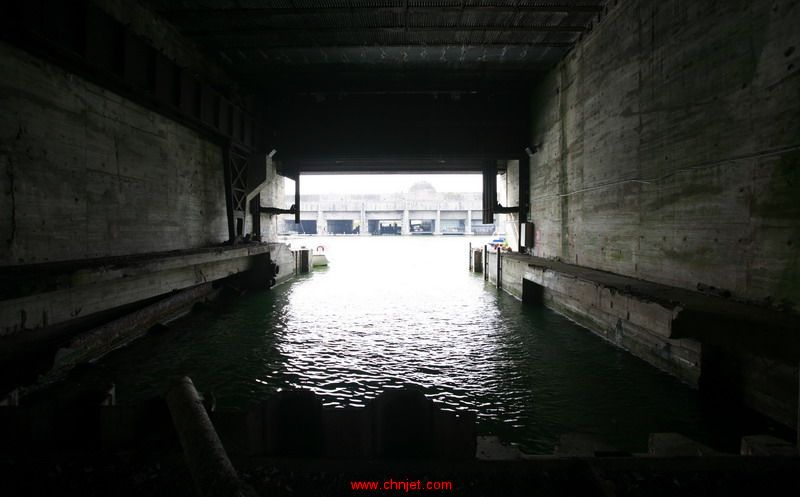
395 311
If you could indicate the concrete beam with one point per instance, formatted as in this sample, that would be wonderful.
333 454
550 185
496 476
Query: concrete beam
268 178
115 282
100 341
671 328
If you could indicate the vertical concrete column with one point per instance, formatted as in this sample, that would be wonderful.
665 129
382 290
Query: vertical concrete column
437 230
364 225
468 226
255 213
406 228
322 224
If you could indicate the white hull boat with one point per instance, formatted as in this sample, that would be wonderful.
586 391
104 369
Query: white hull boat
318 258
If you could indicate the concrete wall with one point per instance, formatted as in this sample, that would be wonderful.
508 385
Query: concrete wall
668 147
508 195
273 195
86 173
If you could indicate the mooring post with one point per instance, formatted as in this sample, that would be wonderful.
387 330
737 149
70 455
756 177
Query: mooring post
499 270
485 263
211 470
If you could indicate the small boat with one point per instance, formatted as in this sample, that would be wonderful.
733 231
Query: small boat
318 258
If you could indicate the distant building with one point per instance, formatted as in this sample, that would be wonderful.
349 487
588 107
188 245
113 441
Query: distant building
419 211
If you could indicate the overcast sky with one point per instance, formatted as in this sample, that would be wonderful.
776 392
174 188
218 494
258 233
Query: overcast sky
383 183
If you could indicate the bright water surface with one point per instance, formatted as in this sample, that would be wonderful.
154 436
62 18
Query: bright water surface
392 311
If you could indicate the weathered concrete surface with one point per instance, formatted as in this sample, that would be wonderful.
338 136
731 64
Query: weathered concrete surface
766 445
100 341
676 445
508 196
668 147
118 282
86 173
691 335
631 322
272 195
581 445
281 255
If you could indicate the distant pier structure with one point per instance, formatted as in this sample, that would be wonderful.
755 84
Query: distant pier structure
419 211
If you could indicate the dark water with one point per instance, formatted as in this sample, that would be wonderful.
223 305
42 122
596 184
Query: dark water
393 311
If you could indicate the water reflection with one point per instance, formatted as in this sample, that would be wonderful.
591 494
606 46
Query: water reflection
392 311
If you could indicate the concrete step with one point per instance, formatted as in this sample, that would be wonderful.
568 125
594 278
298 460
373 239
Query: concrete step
585 445
766 445
677 445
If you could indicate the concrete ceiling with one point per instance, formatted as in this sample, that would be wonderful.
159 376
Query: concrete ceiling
382 45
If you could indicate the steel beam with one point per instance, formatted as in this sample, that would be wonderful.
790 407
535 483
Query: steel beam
489 190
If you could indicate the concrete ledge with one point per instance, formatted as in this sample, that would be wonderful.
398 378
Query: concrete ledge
677 445
631 321
661 324
63 292
583 445
766 445
119 332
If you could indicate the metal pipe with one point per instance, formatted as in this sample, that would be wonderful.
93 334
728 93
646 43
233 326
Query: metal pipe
211 470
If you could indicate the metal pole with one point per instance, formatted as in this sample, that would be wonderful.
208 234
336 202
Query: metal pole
470 256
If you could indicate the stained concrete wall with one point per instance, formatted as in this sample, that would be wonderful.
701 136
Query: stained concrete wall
508 195
87 173
673 157
669 150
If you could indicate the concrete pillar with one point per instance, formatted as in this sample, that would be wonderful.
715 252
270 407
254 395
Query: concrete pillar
437 230
468 226
406 228
322 223
364 225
